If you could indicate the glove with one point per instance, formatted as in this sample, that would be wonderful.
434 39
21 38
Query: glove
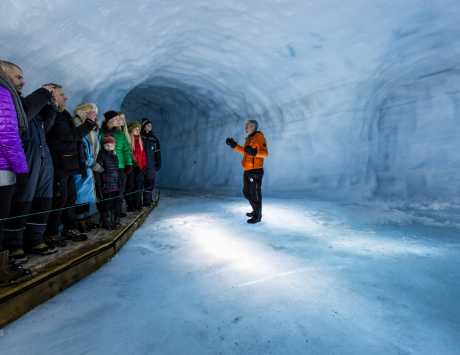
21 180
231 142
128 169
250 150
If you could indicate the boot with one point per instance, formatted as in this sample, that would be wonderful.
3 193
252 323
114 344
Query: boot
42 249
115 221
9 275
105 221
35 243
82 226
251 214
74 236
14 242
256 218
54 241
18 256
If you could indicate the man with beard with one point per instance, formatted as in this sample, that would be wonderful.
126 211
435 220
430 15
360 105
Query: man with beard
34 191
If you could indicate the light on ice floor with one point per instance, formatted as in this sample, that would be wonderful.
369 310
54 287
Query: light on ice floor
313 278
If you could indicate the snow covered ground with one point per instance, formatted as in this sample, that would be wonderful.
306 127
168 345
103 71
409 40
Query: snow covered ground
313 278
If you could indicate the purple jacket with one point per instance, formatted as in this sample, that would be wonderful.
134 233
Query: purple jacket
12 157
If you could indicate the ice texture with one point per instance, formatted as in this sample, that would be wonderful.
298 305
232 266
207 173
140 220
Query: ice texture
357 98
314 278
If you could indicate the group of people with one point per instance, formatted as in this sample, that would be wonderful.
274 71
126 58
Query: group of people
61 174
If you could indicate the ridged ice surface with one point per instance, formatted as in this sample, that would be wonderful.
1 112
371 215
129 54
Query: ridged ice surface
357 98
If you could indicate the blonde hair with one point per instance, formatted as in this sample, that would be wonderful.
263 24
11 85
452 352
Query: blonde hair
83 109
125 126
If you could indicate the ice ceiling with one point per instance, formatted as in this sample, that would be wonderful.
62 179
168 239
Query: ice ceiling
357 98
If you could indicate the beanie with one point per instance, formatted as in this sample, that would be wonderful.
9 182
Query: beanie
110 114
109 139
145 121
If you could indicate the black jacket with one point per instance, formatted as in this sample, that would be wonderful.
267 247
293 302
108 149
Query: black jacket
65 143
152 151
41 115
109 180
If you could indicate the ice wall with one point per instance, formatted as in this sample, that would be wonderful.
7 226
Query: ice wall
357 98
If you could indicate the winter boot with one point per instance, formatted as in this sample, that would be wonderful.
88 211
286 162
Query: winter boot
106 221
8 274
14 242
18 256
74 236
42 249
54 241
35 241
256 218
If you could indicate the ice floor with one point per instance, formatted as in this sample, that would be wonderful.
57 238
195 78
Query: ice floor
313 278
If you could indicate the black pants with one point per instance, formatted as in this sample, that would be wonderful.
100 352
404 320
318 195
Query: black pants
252 188
149 186
110 208
6 198
33 197
134 187
64 196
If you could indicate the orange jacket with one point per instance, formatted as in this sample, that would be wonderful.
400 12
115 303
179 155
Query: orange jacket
255 140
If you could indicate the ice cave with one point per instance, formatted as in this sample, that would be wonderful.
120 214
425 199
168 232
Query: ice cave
358 251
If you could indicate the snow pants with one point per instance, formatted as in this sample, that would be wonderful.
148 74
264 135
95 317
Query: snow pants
134 187
149 186
35 197
252 188
64 196
6 197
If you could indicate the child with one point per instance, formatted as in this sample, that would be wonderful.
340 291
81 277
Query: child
108 184
115 126
135 180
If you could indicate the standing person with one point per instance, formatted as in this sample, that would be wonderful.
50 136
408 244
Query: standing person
115 127
135 183
84 183
254 152
13 163
153 155
108 183
65 142
34 194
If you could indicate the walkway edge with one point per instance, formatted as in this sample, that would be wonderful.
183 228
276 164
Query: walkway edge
31 293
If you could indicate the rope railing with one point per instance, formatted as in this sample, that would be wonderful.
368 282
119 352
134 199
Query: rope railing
2 220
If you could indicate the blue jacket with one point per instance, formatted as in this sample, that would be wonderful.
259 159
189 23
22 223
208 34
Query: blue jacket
84 185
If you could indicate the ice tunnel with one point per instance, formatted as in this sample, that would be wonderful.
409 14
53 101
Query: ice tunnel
357 98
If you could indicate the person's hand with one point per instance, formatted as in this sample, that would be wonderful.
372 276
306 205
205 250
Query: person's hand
50 88
92 116
231 142
128 169
250 150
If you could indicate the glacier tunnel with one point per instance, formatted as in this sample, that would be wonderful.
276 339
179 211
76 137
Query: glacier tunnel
359 102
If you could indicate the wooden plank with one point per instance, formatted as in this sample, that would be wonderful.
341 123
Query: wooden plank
19 299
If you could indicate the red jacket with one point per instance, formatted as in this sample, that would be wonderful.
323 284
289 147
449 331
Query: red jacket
139 152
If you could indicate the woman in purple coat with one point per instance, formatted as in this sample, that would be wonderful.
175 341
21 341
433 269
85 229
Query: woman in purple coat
13 165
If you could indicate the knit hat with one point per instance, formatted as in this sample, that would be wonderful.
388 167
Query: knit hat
133 125
109 139
110 114
145 122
